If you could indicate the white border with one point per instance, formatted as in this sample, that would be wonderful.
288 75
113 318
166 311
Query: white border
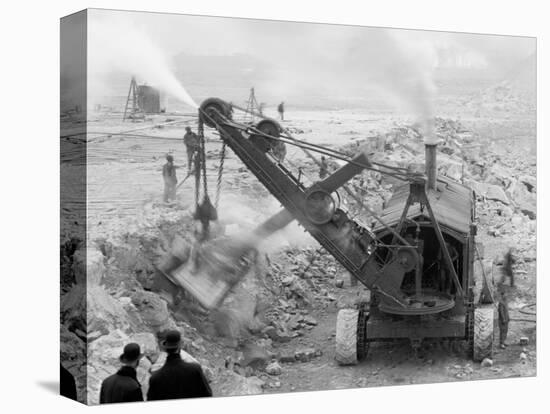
30 177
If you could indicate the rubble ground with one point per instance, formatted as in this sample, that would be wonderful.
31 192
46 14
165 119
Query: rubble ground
275 332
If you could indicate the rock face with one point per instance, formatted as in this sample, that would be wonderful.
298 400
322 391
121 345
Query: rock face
524 199
106 314
88 266
489 191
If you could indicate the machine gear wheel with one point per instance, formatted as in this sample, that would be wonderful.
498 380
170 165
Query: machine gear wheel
483 332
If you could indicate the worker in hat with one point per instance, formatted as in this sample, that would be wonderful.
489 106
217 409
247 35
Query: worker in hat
170 179
177 378
191 141
123 386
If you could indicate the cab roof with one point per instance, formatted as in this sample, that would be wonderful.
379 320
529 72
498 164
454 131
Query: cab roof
452 204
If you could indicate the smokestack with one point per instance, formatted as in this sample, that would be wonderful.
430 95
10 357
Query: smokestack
431 165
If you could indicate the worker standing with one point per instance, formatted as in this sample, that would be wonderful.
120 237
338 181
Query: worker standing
281 110
170 179
177 378
323 168
123 386
508 265
503 319
191 141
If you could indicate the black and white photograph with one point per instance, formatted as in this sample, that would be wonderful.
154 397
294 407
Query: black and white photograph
262 207
252 206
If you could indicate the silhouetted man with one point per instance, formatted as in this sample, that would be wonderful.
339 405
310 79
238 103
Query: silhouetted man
170 179
177 378
281 110
191 141
123 386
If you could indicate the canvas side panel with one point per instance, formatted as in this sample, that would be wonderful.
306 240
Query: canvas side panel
73 116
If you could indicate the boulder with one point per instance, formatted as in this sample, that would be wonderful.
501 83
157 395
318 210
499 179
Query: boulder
499 176
105 313
274 369
229 384
277 335
153 311
523 341
494 192
530 182
525 200
310 320
487 362
305 355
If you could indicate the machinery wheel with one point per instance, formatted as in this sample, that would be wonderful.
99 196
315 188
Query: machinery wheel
350 327
269 127
483 288
211 107
483 333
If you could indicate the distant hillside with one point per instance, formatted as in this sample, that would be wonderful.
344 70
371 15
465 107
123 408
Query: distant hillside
515 93
522 80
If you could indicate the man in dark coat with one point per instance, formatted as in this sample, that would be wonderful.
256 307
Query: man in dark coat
170 179
191 141
67 384
123 386
177 378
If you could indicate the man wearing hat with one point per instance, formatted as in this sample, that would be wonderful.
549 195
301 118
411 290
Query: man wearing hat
191 141
177 378
170 179
123 386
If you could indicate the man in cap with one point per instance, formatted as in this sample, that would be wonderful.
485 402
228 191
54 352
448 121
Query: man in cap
177 378
123 386
170 179
191 141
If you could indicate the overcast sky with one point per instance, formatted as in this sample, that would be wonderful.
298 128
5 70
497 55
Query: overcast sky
302 58
275 39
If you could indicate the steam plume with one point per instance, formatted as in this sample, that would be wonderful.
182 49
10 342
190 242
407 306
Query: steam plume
117 45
